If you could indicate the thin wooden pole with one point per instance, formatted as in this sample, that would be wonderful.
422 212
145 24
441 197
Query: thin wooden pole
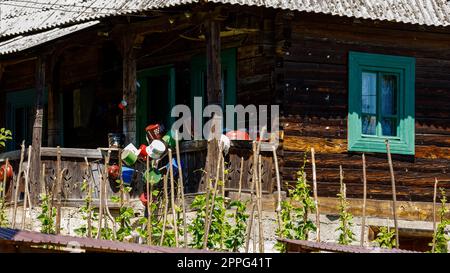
102 194
58 189
17 184
180 181
316 198
5 172
149 205
166 205
394 194
277 172
222 234
89 197
363 220
249 227
26 196
260 213
240 178
109 215
434 214
3 193
43 184
172 197
209 213
252 198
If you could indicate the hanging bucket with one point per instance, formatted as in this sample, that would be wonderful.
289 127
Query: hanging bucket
225 144
153 177
156 149
169 140
153 132
127 175
9 173
129 157
113 172
175 167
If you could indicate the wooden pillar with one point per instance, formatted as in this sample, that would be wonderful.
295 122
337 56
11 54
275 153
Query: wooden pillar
35 162
53 103
213 85
214 70
129 86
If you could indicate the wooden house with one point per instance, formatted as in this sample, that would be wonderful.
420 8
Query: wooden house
347 75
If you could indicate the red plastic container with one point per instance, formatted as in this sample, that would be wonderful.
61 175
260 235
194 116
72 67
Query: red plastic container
113 172
9 172
238 135
153 131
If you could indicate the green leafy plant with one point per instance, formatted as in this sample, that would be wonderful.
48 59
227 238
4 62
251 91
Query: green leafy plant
4 136
295 223
3 215
440 238
88 213
385 238
218 227
47 216
236 235
346 235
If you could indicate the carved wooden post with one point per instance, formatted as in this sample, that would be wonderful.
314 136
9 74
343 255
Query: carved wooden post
53 103
37 131
129 86
213 79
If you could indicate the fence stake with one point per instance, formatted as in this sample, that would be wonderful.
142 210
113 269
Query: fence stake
434 214
316 199
17 184
363 220
394 195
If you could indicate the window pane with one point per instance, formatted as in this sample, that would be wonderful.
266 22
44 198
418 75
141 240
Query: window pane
389 94
389 127
369 125
369 93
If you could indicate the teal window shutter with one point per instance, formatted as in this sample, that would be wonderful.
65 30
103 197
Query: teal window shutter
381 103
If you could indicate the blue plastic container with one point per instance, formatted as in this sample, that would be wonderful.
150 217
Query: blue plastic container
175 167
127 175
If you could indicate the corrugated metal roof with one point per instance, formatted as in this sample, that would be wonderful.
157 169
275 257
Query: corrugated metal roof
332 247
21 16
35 238
25 42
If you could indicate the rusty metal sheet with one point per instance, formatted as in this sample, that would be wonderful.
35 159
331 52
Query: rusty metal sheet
22 16
8 235
25 42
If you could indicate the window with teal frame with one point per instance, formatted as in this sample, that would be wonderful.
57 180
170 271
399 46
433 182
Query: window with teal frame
381 103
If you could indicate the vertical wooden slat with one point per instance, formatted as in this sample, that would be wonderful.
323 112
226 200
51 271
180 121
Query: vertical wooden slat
394 193
363 221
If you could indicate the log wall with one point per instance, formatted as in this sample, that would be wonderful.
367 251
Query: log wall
314 81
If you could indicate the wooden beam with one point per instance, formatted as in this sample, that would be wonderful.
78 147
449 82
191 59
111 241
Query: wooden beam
213 49
213 92
129 85
53 102
37 131
407 210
